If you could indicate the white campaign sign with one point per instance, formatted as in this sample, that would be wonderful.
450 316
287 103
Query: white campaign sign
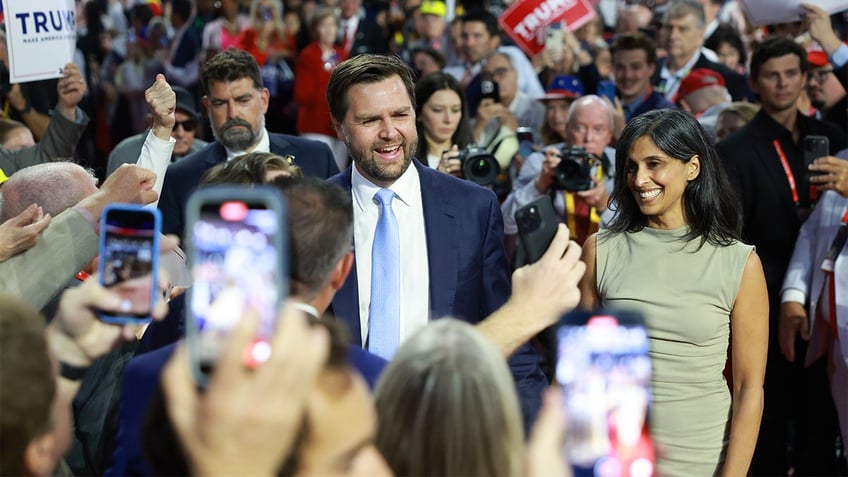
770 12
41 37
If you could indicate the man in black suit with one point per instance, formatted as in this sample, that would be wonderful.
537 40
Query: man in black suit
236 103
682 37
765 163
357 33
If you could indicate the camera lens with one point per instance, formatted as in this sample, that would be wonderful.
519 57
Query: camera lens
481 168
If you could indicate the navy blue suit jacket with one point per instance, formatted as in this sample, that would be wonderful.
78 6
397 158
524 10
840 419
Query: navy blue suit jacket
314 159
469 272
140 382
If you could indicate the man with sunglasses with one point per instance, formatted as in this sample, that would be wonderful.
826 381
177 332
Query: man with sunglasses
185 128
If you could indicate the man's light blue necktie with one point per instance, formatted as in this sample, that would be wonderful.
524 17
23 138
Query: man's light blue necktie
384 311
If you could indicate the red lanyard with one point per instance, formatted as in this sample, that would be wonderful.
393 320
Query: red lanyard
787 170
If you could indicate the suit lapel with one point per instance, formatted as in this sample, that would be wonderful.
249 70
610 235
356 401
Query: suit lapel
443 240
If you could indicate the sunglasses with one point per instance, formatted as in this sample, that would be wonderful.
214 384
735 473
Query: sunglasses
188 125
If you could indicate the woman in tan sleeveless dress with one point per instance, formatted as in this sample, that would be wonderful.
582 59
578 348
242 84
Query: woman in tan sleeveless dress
673 253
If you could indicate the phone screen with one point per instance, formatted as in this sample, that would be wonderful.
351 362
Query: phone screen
605 372
526 141
129 249
236 269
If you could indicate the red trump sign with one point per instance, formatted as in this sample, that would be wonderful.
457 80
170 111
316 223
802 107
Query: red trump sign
524 21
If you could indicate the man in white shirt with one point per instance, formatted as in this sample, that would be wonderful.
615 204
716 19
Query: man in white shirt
683 32
447 254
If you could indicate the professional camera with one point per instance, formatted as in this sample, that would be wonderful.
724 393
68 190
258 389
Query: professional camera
574 172
479 165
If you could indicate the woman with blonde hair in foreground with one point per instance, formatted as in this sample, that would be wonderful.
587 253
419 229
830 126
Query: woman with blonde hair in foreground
446 405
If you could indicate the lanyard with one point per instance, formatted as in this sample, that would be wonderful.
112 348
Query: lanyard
829 269
788 171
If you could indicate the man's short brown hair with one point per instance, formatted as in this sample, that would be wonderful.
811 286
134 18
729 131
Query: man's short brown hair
230 65
365 69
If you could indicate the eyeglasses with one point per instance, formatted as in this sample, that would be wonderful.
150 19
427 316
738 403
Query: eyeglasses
188 125
820 76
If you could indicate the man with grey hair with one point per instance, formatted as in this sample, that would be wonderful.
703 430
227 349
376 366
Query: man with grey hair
683 36
54 186
590 126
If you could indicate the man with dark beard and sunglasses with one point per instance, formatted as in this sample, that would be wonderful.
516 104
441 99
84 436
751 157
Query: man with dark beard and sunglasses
426 244
236 103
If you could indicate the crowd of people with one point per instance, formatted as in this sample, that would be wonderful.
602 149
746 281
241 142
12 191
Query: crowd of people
672 139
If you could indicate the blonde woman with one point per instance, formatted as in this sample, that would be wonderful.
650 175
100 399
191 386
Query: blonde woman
446 405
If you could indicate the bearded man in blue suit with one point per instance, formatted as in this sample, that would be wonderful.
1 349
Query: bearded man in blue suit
449 232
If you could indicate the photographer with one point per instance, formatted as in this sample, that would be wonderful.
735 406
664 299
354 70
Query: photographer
581 206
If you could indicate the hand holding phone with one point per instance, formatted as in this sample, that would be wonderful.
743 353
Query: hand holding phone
814 148
537 225
129 260
237 254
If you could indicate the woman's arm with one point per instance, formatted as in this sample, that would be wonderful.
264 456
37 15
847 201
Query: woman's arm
589 296
749 339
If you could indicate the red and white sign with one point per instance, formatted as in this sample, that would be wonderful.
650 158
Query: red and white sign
525 20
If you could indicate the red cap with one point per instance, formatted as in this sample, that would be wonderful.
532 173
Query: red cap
697 79
817 58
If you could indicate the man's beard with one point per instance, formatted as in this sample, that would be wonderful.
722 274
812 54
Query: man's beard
236 138
369 165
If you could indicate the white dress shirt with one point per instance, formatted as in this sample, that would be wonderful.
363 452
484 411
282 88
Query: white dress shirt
414 268
671 81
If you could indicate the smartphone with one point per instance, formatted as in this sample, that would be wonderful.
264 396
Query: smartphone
526 141
238 261
490 90
604 370
537 225
129 259
554 43
814 148
606 89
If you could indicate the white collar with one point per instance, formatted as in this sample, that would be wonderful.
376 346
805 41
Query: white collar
407 188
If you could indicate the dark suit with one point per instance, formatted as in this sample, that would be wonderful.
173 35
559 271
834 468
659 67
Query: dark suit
734 82
369 38
771 223
314 159
140 382
468 269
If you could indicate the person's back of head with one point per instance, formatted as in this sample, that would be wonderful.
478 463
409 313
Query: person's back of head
228 66
251 168
27 392
54 186
162 447
446 405
320 226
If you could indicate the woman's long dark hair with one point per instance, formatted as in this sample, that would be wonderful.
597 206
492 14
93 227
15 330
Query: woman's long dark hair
712 209
425 87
